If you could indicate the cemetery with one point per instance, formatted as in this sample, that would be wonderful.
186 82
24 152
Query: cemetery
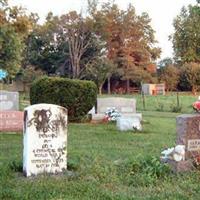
91 109
99 157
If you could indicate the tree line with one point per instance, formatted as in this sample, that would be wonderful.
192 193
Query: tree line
105 44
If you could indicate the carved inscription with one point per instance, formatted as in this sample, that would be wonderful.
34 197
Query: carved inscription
48 148
194 145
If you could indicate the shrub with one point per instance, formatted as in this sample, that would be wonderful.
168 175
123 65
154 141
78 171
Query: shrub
76 95
148 171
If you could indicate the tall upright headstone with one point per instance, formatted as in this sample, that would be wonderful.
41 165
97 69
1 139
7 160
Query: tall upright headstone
45 139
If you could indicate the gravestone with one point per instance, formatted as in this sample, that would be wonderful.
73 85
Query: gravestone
9 100
45 139
11 121
129 124
188 134
123 105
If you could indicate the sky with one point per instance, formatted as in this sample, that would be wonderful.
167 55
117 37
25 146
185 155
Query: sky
162 13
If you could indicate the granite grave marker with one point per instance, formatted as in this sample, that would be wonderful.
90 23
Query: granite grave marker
11 121
9 100
188 134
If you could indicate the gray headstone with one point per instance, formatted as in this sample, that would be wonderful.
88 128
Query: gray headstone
188 133
45 139
123 105
9 101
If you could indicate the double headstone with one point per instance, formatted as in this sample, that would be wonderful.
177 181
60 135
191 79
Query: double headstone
125 106
45 139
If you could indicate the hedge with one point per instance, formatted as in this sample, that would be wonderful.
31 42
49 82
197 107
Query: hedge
77 96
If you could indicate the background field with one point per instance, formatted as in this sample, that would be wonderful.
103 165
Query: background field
104 163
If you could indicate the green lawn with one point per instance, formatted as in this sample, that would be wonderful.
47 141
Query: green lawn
104 163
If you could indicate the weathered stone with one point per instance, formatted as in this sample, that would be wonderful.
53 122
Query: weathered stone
126 107
181 166
11 121
9 100
45 139
123 105
131 123
188 134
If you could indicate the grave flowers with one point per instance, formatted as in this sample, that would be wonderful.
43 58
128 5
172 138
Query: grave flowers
196 105
112 114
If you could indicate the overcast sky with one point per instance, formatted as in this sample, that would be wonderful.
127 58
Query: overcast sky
162 13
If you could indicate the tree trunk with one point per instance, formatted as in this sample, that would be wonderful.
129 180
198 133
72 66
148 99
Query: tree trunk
100 89
128 86
109 91
194 90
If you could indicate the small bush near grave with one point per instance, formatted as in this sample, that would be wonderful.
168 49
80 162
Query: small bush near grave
148 171
76 95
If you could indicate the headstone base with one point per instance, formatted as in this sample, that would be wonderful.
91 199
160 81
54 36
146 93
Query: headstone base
181 166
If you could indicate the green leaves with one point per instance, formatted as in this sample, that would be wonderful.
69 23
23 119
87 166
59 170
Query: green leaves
11 47
186 38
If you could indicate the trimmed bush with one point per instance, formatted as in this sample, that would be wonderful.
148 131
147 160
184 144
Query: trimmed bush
76 95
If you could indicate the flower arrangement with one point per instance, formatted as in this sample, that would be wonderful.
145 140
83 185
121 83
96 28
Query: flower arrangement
112 114
196 105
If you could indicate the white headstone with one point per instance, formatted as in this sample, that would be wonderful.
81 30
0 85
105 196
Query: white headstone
9 100
45 139
129 123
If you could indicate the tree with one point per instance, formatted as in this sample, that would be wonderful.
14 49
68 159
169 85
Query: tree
46 48
99 70
28 75
14 27
11 48
139 75
129 38
170 76
78 34
165 62
186 38
192 75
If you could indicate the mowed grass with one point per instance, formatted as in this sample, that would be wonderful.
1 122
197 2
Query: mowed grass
104 163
